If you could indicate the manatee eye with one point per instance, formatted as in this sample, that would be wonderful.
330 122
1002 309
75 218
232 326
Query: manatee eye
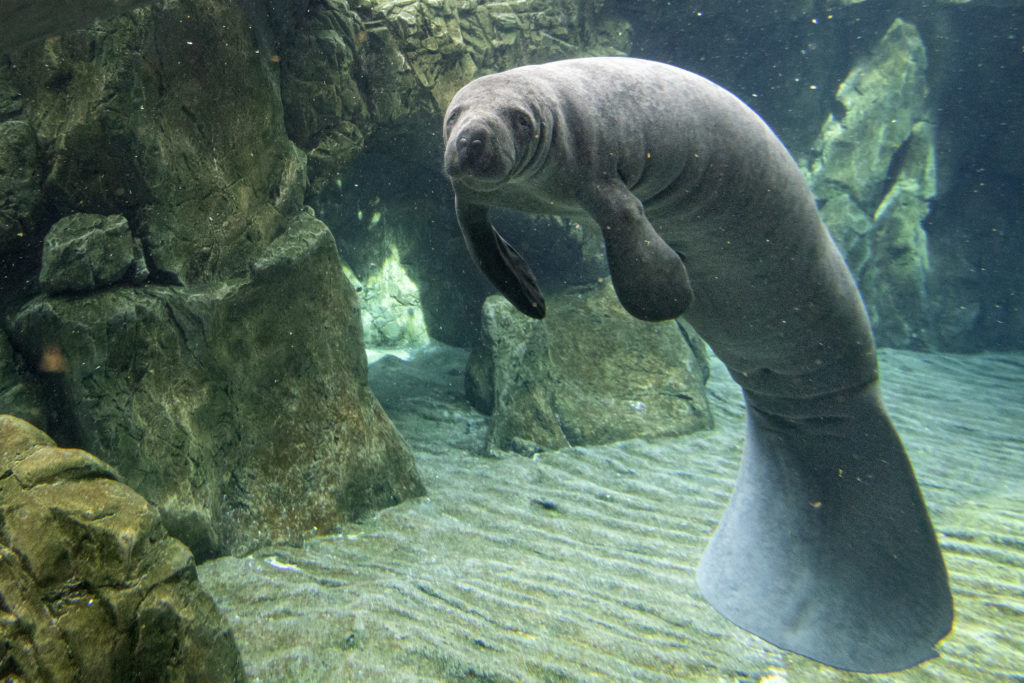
522 122
450 121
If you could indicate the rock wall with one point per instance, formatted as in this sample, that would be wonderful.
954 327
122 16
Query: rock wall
398 63
92 586
186 320
239 407
168 304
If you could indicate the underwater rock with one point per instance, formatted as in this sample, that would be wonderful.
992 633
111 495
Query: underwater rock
325 108
132 120
20 395
240 408
874 176
86 251
21 193
230 387
588 374
897 280
883 97
92 586
27 21
390 306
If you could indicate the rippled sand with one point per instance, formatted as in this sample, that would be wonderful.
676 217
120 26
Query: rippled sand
579 564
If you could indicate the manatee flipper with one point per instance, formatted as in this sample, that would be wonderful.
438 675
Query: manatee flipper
649 276
826 548
496 258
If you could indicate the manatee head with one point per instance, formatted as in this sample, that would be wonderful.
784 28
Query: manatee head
492 132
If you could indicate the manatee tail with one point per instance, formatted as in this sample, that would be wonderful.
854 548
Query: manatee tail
826 548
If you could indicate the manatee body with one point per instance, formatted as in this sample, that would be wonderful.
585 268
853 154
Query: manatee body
826 548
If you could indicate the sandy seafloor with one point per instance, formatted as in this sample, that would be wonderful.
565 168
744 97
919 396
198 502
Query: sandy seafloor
579 565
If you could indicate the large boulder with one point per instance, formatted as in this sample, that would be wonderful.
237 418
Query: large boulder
587 374
83 252
92 587
169 116
240 408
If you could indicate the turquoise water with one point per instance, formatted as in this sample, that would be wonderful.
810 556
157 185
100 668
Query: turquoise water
218 135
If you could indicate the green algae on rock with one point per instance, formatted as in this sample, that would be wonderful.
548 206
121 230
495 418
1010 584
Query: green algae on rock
874 175
92 585
240 408
228 385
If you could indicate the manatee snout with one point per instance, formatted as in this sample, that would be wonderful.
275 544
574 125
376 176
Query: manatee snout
471 148
478 149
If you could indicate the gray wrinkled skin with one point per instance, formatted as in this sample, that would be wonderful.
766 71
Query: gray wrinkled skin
826 548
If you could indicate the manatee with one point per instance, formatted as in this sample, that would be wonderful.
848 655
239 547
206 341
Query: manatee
826 548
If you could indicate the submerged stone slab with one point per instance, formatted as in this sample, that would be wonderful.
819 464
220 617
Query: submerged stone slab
92 586
588 374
